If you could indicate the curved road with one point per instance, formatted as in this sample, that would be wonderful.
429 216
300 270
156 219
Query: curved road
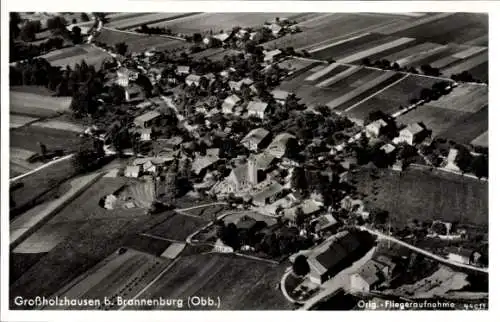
424 252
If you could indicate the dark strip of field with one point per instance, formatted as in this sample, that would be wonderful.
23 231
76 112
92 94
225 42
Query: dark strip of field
468 127
350 47
337 70
480 72
29 138
150 22
458 28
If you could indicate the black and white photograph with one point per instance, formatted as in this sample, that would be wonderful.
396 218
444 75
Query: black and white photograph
221 161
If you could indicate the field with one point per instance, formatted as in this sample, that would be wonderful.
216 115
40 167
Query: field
467 64
390 99
210 212
40 182
216 22
122 275
29 137
177 227
37 105
239 283
74 55
92 238
461 115
150 18
329 28
481 140
60 125
138 42
424 195
457 28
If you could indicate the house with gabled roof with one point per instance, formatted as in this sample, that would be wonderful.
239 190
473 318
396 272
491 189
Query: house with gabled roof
256 139
230 103
258 109
412 134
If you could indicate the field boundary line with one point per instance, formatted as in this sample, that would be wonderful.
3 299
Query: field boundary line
374 94
143 35
11 180
162 238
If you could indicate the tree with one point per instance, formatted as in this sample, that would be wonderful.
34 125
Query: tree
463 159
480 166
121 48
379 216
299 216
76 35
29 30
301 266
84 17
56 23
299 180
15 20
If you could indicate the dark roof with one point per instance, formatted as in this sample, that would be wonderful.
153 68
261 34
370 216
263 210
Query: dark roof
349 242
370 272
332 256
246 222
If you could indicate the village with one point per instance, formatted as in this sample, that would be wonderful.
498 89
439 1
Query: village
177 133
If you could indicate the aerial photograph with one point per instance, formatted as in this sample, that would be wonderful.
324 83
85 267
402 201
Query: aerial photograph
248 161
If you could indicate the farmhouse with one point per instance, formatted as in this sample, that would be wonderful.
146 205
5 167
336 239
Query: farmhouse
325 222
256 139
264 161
283 203
328 260
192 79
132 171
267 195
375 128
236 86
411 134
269 56
257 109
134 93
372 274
309 208
144 134
220 247
201 164
388 148
280 96
222 36
182 70
278 146
229 103
147 119
123 75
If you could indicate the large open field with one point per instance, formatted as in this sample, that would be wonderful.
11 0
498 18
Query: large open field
457 28
223 21
74 55
329 28
391 98
461 115
122 275
422 195
138 42
240 283
150 18
178 227
36 105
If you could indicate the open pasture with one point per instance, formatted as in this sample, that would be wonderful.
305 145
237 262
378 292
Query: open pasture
465 98
481 140
424 195
222 21
138 42
390 99
146 19
467 128
457 27
36 105
330 28
240 283
467 64
178 226
75 55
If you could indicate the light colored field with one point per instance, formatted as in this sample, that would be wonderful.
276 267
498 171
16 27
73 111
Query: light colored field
21 154
135 22
467 64
18 161
60 125
434 118
359 90
295 64
444 62
138 42
233 218
220 21
481 140
375 50
413 58
322 71
91 55
479 41
43 240
332 80
34 104
315 49
464 98
19 120
469 52
412 50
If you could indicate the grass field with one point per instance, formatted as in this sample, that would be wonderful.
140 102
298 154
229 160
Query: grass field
330 28
37 105
480 72
398 95
122 275
240 283
60 125
138 42
20 120
464 98
209 213
28 138
74 55
150 18
222 21
422 195
457 28
481 140
467 128
467 64
177 227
